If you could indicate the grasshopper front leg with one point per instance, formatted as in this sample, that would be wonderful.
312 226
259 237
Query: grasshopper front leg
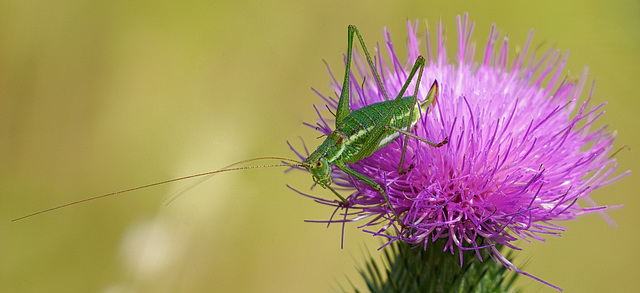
373 184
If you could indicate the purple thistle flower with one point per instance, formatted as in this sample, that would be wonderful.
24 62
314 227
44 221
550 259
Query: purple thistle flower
520 153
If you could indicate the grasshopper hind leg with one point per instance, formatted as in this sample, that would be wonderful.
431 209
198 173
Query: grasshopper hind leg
407 134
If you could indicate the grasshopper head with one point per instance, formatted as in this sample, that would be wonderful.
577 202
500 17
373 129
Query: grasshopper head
320 169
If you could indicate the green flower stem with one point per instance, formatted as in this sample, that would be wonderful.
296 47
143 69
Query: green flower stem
408 269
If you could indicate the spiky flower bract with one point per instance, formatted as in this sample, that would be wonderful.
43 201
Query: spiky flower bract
405 269
521 151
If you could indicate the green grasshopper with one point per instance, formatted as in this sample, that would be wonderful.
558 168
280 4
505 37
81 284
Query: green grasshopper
357 134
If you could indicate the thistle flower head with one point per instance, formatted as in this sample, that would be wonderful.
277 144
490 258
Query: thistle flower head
521 149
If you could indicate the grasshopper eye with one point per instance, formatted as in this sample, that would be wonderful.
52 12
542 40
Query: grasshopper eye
319 164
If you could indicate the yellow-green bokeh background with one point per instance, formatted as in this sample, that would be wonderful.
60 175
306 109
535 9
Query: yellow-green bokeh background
97 96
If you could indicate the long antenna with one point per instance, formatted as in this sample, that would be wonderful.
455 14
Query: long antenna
225 169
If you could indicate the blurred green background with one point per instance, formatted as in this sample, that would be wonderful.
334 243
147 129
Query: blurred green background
98 96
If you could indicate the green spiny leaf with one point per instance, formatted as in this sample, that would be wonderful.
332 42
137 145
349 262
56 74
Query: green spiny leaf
407 269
